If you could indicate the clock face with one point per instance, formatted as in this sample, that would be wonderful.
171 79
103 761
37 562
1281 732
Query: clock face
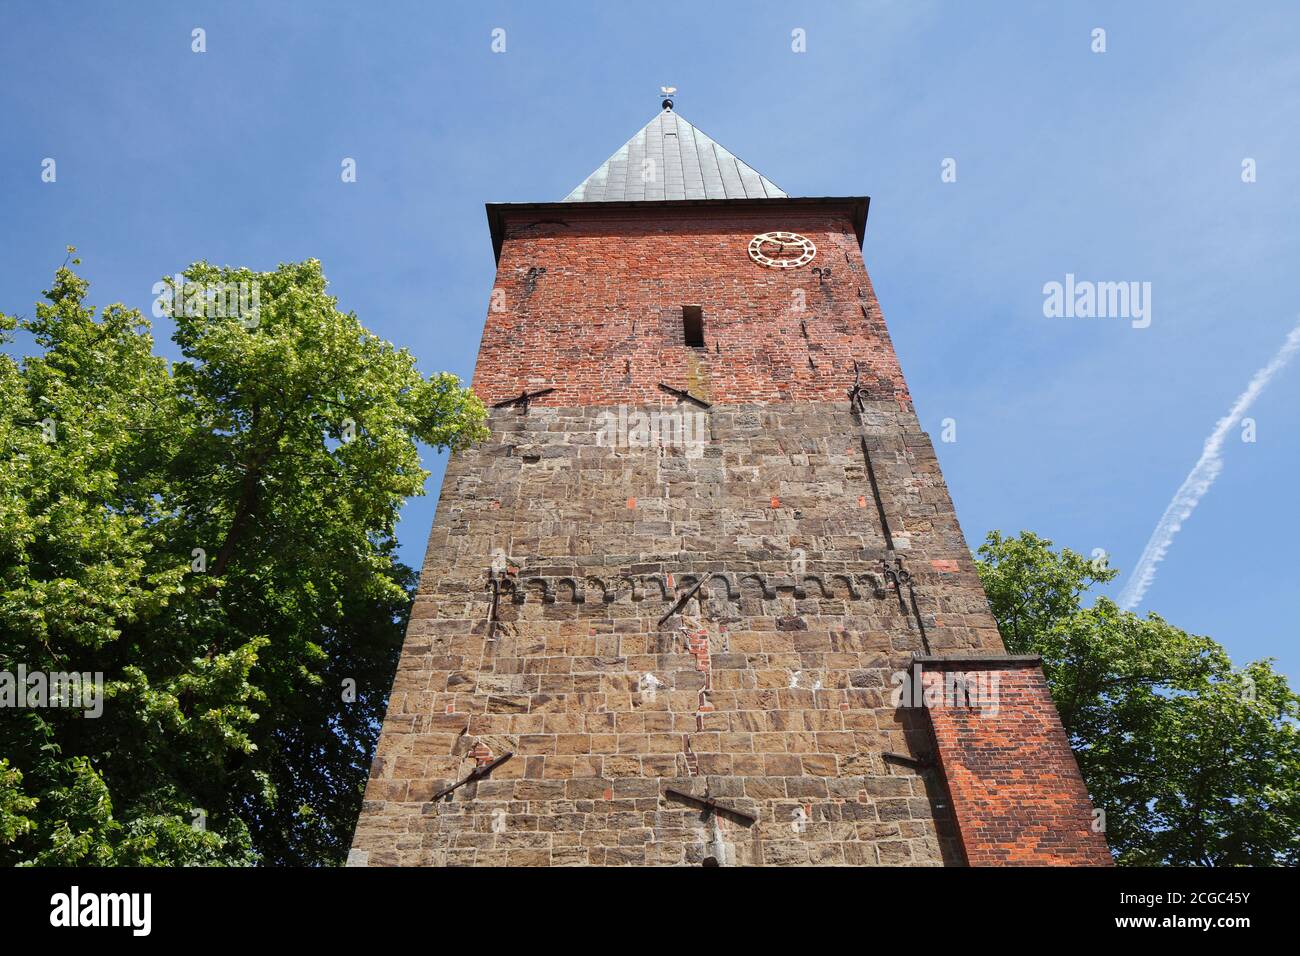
781 250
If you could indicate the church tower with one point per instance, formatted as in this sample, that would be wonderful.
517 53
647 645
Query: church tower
702 598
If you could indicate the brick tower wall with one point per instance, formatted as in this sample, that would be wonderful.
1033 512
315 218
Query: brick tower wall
1032 809
591 655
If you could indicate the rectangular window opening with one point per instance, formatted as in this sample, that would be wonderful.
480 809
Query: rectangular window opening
693 325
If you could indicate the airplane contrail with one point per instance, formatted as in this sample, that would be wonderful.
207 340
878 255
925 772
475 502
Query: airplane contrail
1202 476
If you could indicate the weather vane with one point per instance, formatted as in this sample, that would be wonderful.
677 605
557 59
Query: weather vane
668 93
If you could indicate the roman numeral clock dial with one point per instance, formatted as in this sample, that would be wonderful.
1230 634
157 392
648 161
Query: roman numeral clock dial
781 250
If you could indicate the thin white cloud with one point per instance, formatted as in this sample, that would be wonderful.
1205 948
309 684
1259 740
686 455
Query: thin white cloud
1203 474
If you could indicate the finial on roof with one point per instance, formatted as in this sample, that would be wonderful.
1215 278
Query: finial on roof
668 93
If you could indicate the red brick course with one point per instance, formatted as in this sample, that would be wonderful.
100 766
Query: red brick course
1017 794
602 324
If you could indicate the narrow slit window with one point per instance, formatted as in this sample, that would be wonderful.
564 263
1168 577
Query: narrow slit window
693 325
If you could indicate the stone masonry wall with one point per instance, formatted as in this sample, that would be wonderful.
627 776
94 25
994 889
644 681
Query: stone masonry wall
769 689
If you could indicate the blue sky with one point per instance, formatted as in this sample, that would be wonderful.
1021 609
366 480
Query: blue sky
1120 166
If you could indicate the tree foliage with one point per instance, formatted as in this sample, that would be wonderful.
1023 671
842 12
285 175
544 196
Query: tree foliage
1194 762
216 537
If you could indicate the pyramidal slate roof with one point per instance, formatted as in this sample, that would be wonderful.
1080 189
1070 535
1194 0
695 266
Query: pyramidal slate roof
687 165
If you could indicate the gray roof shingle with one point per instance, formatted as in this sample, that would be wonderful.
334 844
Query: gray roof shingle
685 164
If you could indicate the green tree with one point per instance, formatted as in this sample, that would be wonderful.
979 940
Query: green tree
1194 762
216 536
